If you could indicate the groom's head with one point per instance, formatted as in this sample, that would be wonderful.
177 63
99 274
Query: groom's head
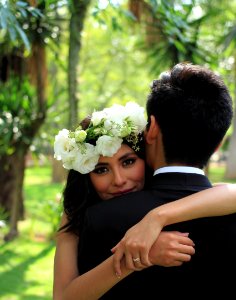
192 109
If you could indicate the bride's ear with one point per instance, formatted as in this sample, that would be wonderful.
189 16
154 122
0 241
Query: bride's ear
152 132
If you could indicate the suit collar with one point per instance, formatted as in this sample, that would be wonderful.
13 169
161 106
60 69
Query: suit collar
181 180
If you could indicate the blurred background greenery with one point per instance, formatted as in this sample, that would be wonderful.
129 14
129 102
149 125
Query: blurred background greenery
61 60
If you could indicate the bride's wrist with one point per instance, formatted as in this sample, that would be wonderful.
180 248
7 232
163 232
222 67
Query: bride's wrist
159 217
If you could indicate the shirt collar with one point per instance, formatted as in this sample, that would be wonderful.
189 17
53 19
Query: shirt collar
179 169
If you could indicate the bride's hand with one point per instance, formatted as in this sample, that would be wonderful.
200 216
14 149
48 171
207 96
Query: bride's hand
136 244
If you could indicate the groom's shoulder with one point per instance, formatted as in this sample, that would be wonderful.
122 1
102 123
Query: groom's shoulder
134 201
124 199
126 209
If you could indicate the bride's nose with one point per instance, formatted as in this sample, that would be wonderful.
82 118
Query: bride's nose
119 178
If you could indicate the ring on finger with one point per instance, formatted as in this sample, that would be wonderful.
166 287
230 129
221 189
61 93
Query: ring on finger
137 259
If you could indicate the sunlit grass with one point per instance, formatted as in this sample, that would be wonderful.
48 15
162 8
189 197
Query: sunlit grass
26 264
26 270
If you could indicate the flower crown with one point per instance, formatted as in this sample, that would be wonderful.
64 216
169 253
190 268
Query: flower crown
80 149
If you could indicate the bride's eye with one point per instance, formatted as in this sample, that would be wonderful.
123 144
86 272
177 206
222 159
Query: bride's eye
100 170
129 161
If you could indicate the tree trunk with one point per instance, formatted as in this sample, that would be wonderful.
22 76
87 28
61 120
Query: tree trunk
11 185
78 12
136 7
12 167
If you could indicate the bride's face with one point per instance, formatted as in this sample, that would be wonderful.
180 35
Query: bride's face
120 174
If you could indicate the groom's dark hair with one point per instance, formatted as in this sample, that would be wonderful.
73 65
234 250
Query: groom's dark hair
193 108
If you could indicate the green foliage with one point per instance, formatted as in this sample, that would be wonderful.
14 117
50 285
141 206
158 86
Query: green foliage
22 24
12 14
3 214
45 27
18 107
112 14
112 69
52 214
176 30
42 201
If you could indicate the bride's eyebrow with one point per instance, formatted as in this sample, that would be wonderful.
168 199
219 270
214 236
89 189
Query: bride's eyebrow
101 164
125 156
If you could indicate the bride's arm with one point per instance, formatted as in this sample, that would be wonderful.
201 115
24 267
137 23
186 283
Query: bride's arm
94 283
138 240
174 249
217 201
65 260
102 278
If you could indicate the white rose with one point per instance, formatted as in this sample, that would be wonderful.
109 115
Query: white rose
115 130
86 162
69 159
135 114
97 117
63 144
116 113
107 145
107 124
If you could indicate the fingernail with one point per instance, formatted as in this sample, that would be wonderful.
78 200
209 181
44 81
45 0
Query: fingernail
118 275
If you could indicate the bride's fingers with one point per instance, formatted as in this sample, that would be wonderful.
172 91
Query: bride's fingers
145 258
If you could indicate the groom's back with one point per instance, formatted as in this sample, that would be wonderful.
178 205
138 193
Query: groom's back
208 271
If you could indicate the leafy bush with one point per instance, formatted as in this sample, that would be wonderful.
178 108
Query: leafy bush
18 107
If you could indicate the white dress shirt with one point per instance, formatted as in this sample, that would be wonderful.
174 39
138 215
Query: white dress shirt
179 169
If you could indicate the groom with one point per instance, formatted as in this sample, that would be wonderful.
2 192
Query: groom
189 111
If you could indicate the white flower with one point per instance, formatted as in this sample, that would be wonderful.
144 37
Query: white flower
80 136
108 124
86 162
97 117
107 145
116 113
108 128
63 145
115 130
69 159
135 114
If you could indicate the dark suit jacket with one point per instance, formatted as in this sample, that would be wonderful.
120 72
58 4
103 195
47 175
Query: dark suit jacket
208 274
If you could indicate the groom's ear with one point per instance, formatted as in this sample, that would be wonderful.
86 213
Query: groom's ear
152 131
